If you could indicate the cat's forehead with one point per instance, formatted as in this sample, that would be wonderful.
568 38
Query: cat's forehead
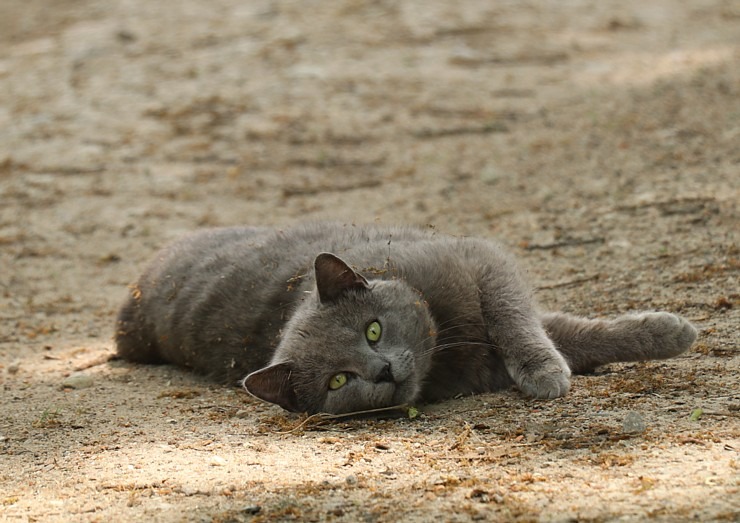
381 293
350 307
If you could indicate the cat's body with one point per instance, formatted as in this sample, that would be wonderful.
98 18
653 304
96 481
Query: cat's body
417 317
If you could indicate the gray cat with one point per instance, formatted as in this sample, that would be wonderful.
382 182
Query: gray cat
410 316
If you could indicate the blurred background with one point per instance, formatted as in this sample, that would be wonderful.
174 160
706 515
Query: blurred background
126 123
598 140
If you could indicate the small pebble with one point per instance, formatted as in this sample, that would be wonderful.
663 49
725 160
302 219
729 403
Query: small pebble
14 367
242 414
491 175
77 381
633 423
252 509
218 461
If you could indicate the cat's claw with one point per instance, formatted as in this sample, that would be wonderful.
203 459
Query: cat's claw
548 381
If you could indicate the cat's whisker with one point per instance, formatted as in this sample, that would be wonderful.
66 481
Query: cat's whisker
466 336
439 348
460 326
456 318
464 339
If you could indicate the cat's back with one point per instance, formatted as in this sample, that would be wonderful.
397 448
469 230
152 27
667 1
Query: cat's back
261 259
204 251
338 238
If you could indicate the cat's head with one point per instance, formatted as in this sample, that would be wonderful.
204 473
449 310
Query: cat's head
352 345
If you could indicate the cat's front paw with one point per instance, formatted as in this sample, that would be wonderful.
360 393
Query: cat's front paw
546 380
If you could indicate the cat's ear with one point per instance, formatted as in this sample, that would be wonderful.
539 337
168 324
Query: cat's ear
334 277
273 385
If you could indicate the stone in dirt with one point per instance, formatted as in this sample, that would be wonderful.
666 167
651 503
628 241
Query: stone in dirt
633 423
77 381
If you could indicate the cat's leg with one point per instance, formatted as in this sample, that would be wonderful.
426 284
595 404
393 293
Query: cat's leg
529 355
532 361
513 323
586 344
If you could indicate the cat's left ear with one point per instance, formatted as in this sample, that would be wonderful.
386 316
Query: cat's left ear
334 277
273 385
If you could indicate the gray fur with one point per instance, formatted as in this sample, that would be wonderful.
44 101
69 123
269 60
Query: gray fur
274 309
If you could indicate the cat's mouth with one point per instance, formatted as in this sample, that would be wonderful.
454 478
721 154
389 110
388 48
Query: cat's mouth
406 391
398 387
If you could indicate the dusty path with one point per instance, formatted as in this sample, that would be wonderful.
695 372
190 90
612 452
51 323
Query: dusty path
599 140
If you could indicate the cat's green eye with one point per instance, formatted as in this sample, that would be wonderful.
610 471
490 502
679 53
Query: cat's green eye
373 332
338 381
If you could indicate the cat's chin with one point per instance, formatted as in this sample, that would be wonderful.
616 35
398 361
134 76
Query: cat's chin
406 392
380 396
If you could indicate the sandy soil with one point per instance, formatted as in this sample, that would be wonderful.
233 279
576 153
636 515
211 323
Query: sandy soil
598 140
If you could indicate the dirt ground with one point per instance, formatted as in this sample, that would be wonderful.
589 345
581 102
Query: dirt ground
600 141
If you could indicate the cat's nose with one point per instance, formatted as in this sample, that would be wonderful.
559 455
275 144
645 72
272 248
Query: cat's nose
385 374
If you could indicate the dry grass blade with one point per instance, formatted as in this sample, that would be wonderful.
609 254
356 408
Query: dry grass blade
316 420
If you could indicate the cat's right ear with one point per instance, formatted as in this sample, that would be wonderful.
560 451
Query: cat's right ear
334 277
273 385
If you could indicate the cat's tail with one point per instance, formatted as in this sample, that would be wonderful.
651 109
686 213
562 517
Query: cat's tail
586 344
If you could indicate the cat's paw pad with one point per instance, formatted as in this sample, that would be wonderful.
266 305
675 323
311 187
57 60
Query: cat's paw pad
671 334
547 381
